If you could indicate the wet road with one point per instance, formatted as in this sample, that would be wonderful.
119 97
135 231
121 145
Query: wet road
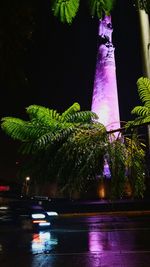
89 241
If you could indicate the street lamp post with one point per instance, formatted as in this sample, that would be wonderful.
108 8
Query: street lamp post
27 185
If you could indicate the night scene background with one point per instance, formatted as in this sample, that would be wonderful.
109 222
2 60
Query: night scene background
59 63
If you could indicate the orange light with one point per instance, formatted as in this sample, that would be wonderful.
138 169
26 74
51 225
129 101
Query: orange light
39 221
101 191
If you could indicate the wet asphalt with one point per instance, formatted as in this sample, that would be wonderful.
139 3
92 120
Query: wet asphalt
79 241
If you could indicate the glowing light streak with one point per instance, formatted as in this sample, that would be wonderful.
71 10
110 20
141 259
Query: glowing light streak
52 213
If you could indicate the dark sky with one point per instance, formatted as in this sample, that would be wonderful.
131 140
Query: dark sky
60 66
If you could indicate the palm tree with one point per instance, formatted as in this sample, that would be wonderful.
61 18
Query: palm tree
67 147
105 95
46 126
101 102
105 88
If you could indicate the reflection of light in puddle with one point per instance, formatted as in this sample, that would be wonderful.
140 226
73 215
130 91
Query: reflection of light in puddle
101 241
43 242
95 242
1 248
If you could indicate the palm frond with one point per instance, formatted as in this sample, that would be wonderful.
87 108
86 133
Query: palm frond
65 10
138 121
142 120
144 90
15 128
42 113
81 117
22 130
47 139
26 148
100 7
43 141
141 111
71 110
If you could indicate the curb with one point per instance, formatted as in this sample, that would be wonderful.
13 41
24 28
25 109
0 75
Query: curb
111 213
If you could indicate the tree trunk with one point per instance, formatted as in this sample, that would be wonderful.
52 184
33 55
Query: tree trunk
105 95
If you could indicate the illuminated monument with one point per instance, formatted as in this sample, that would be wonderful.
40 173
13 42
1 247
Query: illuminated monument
105 96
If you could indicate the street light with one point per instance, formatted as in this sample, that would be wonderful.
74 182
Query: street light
27 185
28 178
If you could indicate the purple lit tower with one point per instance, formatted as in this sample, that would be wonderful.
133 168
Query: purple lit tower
105 96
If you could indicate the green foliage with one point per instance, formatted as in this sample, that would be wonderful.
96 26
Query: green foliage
117 161
144 90
135 164
67 147
100 7
45 126
142 112
81 158
42 114
126 158
71 110
70 148
19 129
65 10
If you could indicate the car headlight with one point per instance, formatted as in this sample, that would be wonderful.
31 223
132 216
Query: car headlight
52 213
38 216
44 223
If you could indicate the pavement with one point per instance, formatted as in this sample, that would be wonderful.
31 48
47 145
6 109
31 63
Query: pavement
122 243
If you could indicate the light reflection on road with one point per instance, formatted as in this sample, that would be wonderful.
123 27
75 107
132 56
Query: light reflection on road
103 241
88 242
43 242
95 243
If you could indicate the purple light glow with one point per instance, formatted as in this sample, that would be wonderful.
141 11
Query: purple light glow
105 96
95 242
103 241
106 170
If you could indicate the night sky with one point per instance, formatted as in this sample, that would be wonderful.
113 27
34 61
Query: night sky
60 65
